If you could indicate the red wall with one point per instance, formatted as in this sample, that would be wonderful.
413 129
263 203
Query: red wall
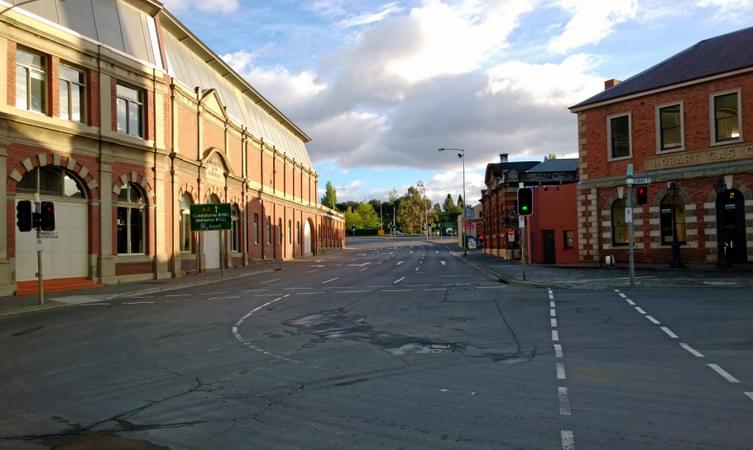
554 209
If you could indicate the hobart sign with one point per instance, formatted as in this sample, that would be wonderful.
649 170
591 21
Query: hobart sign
698 158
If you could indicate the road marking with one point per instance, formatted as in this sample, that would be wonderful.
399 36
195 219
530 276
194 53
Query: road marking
443 262
490 287
416 269
178 301
178 295
94 304
630 302
749 394
418 285
398 280
692 351
266 295
240 339
551 304
669 332
396 290
558 351
296 289
561 371
552 312
553 323
640 310
216 293
269 281
652 320
400 262
617 290
330 280
138 303
351 292
564 401
435 289
364 269
224 298
622 295
309 293
726 375
255 290
568 440
555 335
319 266
359 265
312 271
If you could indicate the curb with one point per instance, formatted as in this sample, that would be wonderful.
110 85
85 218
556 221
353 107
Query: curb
31 309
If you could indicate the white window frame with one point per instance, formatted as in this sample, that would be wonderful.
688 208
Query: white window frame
712 117
140 105
657 112
71 84
29 69
609 136
128 206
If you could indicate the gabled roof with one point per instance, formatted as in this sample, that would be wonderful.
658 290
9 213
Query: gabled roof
497 169
556 165
714 56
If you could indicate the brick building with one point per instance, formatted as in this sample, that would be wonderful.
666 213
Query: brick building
686 124
117 113
551 231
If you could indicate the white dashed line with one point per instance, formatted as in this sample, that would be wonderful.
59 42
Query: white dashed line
225 298
555 335
416 270
630 302
309 293
400 262
490 287
558 351
640 310
138 303
669 332
398 280
553 323
296 289
330 280
396 290
552 312
364 269
351 292
749 394
561 371
691 350
269 281
417 285
551 304
726 375
435 289
564 401
622 295
178 295
568 440
652 320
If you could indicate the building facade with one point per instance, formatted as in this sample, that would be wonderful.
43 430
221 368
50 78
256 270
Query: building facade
117 113
686 127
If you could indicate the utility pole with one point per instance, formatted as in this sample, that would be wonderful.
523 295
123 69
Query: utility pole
629 221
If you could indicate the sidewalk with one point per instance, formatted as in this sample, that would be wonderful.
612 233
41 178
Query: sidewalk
596 277
13 305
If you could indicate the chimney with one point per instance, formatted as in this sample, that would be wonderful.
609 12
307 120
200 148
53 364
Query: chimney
611 83
503 157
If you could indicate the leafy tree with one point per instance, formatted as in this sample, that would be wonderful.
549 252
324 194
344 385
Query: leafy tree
550 156
449 204
410 212
461 203
330 196
369 217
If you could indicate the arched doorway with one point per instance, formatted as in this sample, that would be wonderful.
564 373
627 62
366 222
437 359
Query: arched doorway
730 222
307 238
211 243
69 241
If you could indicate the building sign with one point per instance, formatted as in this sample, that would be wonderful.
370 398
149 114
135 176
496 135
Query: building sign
211 216
215 170
699 158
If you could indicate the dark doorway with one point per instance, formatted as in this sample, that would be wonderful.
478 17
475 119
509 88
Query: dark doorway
730 220
547 236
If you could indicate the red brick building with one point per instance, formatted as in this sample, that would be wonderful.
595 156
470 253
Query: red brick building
685 124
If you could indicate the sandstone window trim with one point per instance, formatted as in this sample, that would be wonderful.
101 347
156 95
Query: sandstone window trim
714 119
611 138
660 128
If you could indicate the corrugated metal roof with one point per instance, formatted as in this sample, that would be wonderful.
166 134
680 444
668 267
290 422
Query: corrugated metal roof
714 56
556 165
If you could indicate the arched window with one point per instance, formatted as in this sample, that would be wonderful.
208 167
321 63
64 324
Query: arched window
53 181
256 228
130 220
619 226
235 229
269 230
672 206
186 243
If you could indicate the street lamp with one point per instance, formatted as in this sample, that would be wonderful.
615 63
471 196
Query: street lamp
461 155
422 189
673 190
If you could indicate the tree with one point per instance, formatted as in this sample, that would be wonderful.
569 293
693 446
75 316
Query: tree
352 219
449 204
410 211
369 217
330 196
461 203
550 156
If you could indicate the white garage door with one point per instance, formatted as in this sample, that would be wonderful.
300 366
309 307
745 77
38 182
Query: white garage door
63 257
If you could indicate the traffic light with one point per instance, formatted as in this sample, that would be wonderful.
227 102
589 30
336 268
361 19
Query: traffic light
525 201
48 216
23 215
642 196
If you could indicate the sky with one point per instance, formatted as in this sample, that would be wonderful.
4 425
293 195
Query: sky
379 86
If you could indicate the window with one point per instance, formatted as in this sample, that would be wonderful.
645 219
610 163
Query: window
72 94
290 231
186 243
53 181
30 81
130 220
619 136
726 120
279 231
235 229
668 204
567 238
619 226
670 127
256 228
298 232
269 230
130 111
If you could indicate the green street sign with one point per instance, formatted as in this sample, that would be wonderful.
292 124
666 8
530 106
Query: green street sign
211 216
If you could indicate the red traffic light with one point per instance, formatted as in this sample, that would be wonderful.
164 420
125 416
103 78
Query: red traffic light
642 195
48 216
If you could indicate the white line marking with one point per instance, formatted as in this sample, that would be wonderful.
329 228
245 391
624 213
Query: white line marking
296 289
396 290
398 280
669 332
558 351
749 394
138 303
255 290
640 310
443 262
564 401
551 304
216 293
266 295
617 290
417 285
178 295
691 350
552 312
330 280
269 281
94 304
224 298
561 371
309 293
726 375
555 335
364 269
622 295
490 287
652 320
351 292
630 302
568 440
400 262
178 301
553 323
416 269
435 289
312 271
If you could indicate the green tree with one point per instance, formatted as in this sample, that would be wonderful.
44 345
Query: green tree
369 217
330 196
410 211
461 202
449 203
352 219
550 156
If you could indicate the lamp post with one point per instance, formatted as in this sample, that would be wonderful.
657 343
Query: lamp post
721 249
461 155
673 190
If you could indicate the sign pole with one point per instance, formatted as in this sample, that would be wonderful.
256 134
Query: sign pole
40 273
222 251
629 220
522 225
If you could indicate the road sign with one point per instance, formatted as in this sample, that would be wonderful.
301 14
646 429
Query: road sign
642 180
511 235
210 216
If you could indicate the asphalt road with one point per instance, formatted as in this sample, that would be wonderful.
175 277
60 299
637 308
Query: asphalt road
389 344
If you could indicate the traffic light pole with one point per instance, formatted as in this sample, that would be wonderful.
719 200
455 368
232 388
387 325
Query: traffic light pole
38 227
629 220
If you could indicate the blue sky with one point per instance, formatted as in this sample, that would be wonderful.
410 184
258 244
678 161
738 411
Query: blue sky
380 85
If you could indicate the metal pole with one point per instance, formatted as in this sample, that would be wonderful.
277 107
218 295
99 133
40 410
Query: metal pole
40 272
629 215
465 241
523 243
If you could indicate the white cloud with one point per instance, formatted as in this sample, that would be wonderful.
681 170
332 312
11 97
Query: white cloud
727 10
591 22
372 17
221 6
